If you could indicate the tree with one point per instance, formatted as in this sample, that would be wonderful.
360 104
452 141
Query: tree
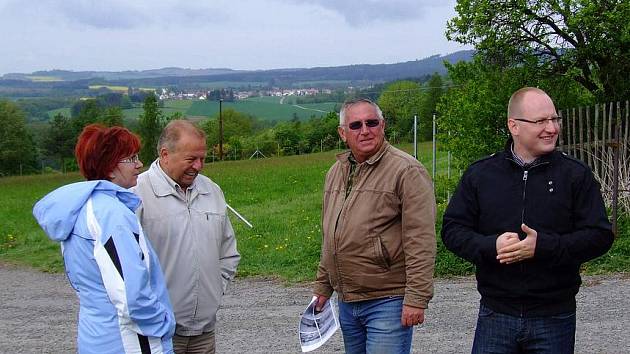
400 101
585 40
85 112
150 125
288 136
113 116
88 110
321 133
17 150
235 124
434 90
472 114
59 139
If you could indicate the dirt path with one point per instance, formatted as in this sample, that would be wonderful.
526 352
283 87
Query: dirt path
38 315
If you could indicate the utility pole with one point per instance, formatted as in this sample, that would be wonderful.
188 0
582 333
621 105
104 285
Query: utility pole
220 129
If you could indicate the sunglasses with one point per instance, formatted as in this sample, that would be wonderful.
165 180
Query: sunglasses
370 123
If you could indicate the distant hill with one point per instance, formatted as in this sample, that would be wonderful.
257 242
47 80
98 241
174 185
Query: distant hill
64 83
66 75
361 73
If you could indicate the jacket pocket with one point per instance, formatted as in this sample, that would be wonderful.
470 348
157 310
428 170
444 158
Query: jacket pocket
212 224
380 253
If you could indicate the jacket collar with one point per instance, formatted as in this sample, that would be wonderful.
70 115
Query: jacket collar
164 185
344 156
508 153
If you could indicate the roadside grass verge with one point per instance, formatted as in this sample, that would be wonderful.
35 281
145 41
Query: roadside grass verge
281 197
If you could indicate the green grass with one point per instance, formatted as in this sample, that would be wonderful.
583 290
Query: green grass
281 197
265 108
236 84
170 107
180 105
118 89
262 107
21 239
35 78
265 99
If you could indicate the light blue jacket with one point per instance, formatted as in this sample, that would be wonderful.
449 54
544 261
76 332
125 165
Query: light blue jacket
124 304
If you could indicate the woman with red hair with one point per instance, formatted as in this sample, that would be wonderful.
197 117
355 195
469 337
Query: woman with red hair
124 304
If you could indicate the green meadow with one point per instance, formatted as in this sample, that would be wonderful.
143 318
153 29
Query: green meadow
264 108
281 197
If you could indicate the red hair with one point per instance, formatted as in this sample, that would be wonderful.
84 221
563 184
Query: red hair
99 149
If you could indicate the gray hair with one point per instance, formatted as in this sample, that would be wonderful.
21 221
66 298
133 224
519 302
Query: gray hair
173 131
349 103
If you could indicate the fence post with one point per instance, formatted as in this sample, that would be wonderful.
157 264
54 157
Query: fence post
595 131
415 136
589 142
448 168
574 140
561 135
434 148
580 125
616 145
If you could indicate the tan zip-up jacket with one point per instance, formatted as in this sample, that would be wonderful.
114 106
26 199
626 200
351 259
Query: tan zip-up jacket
380 240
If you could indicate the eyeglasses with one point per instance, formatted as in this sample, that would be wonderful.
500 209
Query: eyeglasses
542 122
370 123
131 159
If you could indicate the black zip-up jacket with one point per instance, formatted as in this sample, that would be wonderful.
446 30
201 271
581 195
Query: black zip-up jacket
559 198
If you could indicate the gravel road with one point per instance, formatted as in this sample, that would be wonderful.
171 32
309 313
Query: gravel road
38 315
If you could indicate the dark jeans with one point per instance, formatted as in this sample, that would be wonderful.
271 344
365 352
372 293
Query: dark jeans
500 333
374 327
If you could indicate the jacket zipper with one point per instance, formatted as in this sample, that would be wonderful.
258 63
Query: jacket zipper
525 172
521 266
335 241
525 177
188 195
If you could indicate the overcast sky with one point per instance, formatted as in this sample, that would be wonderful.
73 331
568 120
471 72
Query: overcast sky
120 35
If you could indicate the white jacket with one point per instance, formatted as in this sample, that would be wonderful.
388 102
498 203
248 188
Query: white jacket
195 242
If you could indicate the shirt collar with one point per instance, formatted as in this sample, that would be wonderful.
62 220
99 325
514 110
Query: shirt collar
172 182
164 185
519 160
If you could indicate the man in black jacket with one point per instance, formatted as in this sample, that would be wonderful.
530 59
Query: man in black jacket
527 218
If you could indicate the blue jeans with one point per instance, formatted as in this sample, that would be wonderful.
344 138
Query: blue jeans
500 333
373 326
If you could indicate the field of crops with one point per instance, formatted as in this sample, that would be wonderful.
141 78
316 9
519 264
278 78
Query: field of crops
264 108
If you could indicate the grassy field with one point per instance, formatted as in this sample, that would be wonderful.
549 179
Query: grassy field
118 89
265 109
235 84
36 78
281 197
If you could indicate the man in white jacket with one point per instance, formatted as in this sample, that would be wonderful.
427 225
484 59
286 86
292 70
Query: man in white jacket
184 214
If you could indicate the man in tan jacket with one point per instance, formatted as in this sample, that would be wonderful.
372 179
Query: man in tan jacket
378 225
